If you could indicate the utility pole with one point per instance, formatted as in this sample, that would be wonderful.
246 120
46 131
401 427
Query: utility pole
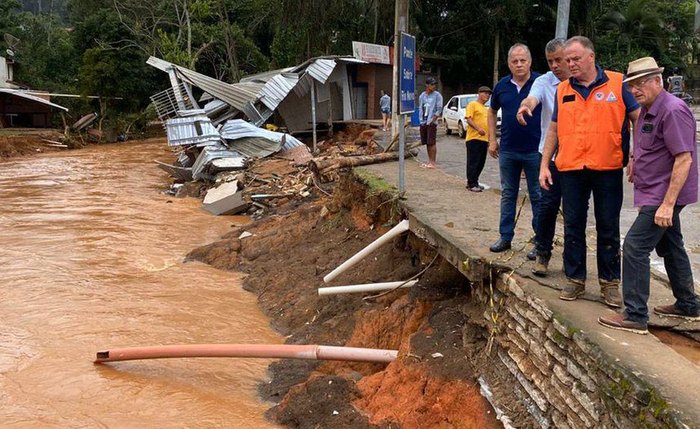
400 24
563 19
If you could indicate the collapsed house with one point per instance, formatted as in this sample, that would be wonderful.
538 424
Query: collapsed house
218 127
21 107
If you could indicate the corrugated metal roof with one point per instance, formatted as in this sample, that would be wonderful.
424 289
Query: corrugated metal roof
236 129
191 130
256 147
266 76
237 95
277 88
209 154
321 69
268 88
351 60
34 98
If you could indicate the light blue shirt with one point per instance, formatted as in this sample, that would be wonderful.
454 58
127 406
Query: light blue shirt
430 106
385 102
544 89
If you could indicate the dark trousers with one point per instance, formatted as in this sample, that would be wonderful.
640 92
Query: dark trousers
643 237
428 134
547 215
476 159
576 188
511 165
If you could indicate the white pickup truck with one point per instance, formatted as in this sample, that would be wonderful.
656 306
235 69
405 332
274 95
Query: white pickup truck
453 114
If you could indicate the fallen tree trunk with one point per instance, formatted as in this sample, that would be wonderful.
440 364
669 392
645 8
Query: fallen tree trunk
322 165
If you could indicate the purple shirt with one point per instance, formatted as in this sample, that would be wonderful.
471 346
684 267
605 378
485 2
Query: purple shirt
663 131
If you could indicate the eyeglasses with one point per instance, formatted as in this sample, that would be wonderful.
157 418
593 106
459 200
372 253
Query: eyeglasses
639 83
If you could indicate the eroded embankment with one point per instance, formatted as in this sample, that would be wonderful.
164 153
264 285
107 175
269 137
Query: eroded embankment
431 384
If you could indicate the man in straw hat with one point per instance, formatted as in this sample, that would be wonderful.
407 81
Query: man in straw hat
665 176
590 132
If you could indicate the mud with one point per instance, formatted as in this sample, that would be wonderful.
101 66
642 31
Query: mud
431 384
15 143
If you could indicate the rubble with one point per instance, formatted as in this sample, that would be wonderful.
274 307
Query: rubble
231 139
224 199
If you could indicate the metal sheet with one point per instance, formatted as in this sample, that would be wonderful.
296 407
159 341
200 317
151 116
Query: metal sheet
257 142
200 169
238 95
256 147
321 69
192 130
236 129
277 88
22 94
264 77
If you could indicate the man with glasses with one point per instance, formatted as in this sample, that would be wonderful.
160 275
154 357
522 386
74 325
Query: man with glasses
665 176
590 132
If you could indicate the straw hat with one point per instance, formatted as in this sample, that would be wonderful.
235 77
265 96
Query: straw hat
642 67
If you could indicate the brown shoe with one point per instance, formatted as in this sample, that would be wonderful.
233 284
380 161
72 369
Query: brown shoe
609 290
541 265
573 289
673 311
618 321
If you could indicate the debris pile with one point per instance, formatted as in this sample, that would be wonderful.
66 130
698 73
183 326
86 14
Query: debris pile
232 144
252 178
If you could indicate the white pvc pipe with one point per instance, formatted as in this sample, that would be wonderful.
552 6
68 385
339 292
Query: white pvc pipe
393 232
291 351
370 287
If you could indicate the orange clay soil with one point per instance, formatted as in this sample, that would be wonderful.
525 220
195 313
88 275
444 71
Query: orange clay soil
286 259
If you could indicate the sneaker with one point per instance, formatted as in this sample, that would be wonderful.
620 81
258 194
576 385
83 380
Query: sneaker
673 311
541 265
500 246
572 290
609 290
482 187
475 189
618 321
532 254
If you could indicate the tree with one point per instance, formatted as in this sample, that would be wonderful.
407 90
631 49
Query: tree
638 25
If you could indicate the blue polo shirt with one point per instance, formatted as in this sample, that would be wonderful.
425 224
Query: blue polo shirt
631 105
515 137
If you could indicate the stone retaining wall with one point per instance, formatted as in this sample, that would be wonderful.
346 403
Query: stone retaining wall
564 380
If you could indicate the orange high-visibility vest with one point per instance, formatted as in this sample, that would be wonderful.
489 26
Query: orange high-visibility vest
590 131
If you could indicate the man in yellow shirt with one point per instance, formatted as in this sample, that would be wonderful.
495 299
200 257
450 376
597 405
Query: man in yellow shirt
477 138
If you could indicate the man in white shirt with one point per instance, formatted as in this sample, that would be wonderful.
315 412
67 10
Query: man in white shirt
544 92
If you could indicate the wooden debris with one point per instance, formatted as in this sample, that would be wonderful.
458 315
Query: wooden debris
323 165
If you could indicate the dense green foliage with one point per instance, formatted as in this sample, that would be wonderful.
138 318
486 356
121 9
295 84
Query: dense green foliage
99 47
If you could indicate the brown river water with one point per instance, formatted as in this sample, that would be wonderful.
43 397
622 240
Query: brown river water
91 258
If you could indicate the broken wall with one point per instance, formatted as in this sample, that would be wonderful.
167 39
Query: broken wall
331 100
565 380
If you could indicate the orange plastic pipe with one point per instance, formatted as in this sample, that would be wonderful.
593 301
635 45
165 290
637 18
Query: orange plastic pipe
289 351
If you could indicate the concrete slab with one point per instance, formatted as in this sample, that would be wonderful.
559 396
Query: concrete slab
224 199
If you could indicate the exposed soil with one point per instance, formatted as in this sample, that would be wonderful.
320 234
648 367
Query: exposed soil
17 142
431 384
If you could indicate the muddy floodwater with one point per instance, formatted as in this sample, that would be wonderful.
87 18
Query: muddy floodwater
91 258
